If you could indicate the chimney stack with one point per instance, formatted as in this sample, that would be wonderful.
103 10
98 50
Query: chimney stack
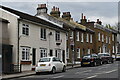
99 22
42 9
83 19
55 12
66 16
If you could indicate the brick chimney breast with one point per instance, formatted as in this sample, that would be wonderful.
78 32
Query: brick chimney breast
66 16
42 9
83 19
99 22
55 12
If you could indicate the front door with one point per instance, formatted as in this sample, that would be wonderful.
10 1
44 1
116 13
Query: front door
51 52
63 56
34 56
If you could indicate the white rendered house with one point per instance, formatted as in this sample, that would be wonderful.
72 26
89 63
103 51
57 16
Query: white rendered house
33 38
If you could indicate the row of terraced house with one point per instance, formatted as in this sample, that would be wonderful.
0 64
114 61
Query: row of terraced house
27 38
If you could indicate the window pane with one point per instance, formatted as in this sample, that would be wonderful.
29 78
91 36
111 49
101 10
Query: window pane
41 33
44 33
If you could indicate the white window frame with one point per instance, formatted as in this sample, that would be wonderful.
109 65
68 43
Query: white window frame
78 52
71 35
25 53
87 37
58 53
25 29
77 36
57 35
113 37
43 33
43 52
98 36
91 37
88 51
106 39
102 37
82 37
113 49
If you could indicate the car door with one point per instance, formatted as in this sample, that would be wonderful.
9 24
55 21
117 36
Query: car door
57 63
60 64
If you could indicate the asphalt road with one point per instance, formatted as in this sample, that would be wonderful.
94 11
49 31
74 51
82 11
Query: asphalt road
103 72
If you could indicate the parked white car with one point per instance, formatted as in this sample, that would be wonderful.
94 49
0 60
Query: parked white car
117 56
50 64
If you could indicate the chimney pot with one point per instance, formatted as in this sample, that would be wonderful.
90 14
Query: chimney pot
97 20
82 15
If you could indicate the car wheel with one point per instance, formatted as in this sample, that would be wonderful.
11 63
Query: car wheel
101 62
64 69
112 61
93 64
53 70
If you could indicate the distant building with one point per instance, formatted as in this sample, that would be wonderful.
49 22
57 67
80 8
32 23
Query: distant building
105 39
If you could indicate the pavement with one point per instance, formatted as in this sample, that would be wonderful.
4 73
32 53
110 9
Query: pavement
27 73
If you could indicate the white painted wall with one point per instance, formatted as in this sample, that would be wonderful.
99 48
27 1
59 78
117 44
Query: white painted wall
12 31
33 40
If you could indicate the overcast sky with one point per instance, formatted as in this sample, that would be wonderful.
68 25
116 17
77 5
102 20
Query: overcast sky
107 12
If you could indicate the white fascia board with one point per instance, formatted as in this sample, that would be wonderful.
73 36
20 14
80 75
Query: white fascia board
10 13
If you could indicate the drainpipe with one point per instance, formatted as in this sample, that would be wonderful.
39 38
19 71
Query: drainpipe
18 43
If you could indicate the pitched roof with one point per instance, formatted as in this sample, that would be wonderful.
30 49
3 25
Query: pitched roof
31 18
71 23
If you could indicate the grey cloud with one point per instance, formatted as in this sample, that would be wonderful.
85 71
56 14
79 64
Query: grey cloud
98 9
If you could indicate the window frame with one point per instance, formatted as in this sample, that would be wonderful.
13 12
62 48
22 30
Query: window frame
78 52
57 35
43 52
91 38
82 37
77 36
98 36
26 53
87 37
43 34
25 29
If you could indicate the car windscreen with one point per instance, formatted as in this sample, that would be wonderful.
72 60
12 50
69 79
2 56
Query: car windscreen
103 55
44 60
87 56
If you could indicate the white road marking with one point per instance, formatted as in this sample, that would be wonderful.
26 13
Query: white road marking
89 77
111 71
58 76
83 72
107 71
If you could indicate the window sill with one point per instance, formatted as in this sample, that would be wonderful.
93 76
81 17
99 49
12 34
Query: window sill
81 41
24 35
25 62
43 39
